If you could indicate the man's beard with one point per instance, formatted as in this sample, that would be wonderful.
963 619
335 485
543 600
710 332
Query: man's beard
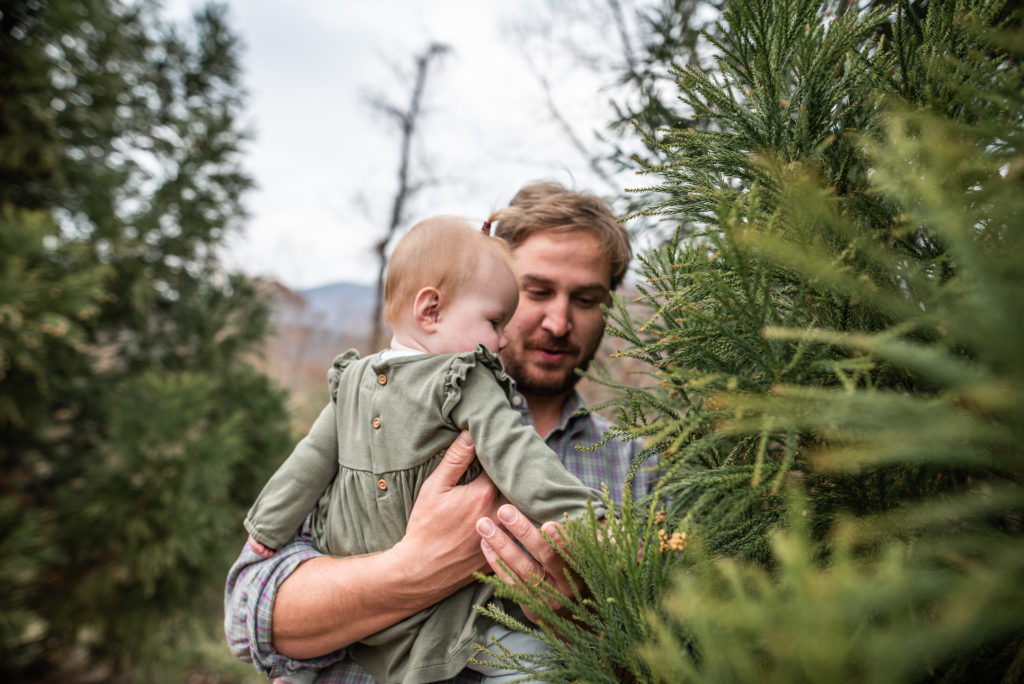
542 383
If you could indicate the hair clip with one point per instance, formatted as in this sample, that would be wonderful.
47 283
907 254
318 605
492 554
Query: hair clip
486 228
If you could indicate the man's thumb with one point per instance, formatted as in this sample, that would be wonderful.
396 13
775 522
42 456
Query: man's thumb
458 457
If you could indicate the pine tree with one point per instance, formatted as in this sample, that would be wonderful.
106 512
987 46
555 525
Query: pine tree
833 334
134 430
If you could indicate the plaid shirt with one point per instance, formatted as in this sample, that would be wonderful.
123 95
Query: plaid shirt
252 582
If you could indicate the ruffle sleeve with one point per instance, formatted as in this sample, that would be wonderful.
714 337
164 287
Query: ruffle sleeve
341 362
460 368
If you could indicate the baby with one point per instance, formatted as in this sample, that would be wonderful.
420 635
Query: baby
449 292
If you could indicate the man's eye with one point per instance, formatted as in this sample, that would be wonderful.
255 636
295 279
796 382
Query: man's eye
537 293
586 302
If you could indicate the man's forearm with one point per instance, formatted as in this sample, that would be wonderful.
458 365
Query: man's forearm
329 603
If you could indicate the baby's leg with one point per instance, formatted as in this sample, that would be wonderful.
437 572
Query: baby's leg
515 642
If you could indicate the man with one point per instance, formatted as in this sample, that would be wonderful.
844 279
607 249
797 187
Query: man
300 608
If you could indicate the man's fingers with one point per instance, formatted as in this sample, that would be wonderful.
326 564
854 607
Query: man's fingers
497 545
554 563
523 549
550 554
456 459
543 559
491 557
554 530
532 540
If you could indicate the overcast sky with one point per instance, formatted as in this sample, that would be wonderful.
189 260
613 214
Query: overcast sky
326 162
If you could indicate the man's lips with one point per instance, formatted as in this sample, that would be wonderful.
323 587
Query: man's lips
550 353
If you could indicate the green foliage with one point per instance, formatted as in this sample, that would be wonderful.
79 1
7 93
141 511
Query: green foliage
834 333
897 399
856 619
789 247
609 617
134 430
48 296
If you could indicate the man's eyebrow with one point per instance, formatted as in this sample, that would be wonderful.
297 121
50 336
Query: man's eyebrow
528 279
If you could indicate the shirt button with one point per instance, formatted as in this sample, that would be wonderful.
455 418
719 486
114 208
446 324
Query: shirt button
381 484
517 400
376 423
382 379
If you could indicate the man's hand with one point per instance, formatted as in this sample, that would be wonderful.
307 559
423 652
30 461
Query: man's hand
539 562
441 525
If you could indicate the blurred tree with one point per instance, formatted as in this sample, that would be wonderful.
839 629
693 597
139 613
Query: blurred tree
407 120
134 431
840 393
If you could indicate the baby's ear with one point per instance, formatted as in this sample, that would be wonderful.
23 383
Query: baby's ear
426 308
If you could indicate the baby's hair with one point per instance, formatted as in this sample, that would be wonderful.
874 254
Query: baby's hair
443 252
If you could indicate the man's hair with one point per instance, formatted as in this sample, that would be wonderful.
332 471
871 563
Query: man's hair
548 207
443 252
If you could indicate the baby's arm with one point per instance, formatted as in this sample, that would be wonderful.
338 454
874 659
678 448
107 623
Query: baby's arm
292 491
516 458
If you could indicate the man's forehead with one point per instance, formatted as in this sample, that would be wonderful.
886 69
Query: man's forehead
555 258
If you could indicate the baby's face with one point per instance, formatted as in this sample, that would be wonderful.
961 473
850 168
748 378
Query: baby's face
479 312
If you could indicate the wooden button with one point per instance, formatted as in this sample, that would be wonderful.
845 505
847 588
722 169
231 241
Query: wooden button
376 423
381 484
382 379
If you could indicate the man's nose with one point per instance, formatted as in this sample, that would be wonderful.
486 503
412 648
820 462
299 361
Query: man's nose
558 317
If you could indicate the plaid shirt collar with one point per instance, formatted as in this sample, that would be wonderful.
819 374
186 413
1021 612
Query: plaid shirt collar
570 421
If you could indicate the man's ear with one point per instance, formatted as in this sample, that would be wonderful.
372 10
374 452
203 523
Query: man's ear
426 308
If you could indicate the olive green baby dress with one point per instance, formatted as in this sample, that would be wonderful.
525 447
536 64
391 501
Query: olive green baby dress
364 460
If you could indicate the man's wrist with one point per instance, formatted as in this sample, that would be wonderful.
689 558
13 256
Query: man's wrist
416 577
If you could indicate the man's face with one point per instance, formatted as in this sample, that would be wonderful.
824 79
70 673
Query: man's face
563 281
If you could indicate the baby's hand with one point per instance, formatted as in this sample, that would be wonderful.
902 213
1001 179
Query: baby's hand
259 549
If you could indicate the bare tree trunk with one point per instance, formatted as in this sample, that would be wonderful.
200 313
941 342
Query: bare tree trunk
407 120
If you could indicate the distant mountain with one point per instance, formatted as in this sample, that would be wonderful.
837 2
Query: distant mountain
337 307
310 328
